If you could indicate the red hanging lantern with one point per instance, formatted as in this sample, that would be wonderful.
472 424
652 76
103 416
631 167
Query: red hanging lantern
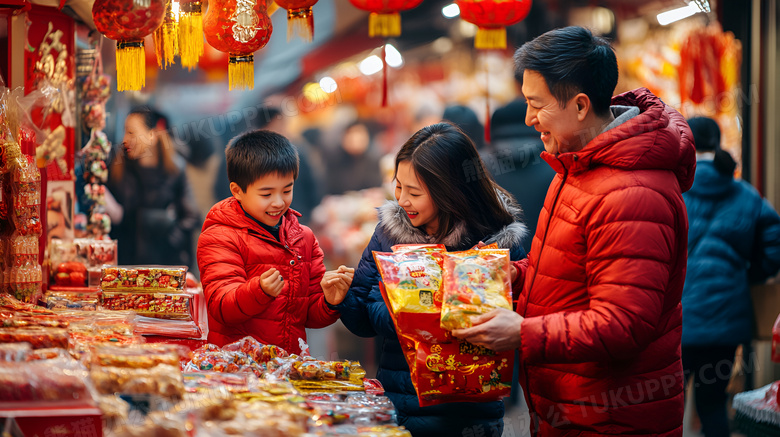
491 17
300 18
190 33
238 28
127 23
385 18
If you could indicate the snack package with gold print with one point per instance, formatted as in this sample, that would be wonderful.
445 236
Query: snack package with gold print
443 368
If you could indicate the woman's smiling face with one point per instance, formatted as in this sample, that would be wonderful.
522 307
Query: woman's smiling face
414 198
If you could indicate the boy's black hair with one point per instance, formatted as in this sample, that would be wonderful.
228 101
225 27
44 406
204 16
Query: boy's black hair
257 153
572 60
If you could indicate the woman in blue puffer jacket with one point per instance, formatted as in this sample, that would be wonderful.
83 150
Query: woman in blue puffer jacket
733 241
444 196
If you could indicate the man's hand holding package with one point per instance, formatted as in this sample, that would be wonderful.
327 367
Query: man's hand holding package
498 330
336 283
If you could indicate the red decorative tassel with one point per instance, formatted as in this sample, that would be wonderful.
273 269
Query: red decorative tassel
384 77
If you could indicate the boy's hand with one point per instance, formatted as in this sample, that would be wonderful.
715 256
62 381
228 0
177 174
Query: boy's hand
335 284
272 282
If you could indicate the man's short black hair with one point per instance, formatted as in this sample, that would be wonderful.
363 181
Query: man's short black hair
572 60
257 153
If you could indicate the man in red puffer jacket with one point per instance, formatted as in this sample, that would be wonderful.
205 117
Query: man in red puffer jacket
262 271
599 319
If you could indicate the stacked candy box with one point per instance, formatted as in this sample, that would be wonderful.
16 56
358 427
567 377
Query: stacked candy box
152 291
142 278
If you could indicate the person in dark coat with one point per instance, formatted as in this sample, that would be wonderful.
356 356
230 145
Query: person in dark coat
436 202
514 160
158 213
733 241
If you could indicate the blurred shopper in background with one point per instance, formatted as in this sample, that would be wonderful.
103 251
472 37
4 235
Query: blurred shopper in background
354 165
157 213
514 160
733 240
466 119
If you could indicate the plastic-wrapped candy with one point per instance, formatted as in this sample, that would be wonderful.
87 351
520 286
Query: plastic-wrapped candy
475 282
412 279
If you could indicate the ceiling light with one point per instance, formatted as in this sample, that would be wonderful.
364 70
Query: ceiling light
678 14
451 10
328 84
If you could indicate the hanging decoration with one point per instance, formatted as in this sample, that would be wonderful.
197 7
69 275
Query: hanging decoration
166 37
238 28
491 18
300 18
385 18
190 33
128 23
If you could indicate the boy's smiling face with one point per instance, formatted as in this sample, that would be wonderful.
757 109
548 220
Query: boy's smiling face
267 198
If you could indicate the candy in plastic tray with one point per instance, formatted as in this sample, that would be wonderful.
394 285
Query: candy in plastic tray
14 352
163 380
160 305
37 337
38 382
262 353
48 354
150 278
352 408
70 300
137 356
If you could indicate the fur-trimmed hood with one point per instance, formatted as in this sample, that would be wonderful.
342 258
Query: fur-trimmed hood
396 224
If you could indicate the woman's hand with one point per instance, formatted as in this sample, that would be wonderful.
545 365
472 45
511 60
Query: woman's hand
272 282
335 284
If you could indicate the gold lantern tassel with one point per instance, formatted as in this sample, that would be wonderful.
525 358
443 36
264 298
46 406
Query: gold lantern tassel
130 65
493 38
241 72
166 38
384 24
300 22
190 34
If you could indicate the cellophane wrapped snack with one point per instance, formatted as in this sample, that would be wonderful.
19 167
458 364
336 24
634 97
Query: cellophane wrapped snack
350 408
163 380
14 352
137 356
60 382
412 280
475 282
443 368
37 337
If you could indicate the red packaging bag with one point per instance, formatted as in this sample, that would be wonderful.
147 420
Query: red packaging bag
444 369
474 282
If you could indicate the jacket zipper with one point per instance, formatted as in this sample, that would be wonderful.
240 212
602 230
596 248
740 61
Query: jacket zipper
535 421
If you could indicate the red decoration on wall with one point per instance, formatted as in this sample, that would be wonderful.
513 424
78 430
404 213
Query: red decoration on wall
127 23
238 28
385 18
491 17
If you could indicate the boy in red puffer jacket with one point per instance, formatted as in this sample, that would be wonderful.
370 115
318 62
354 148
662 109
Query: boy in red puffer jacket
262 271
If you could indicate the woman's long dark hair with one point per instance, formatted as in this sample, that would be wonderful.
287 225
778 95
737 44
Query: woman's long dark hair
460 186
